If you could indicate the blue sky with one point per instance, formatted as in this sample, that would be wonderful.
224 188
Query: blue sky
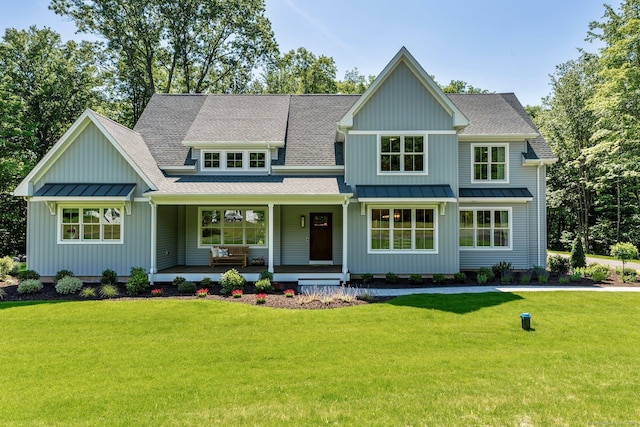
499 45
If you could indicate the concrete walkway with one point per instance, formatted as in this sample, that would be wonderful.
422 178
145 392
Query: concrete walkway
483 289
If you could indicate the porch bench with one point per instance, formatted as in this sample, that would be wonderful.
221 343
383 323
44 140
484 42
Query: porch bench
237 255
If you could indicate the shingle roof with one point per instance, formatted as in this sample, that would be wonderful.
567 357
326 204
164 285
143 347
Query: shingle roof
311 133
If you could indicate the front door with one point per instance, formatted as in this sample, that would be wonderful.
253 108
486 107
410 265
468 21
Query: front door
321 237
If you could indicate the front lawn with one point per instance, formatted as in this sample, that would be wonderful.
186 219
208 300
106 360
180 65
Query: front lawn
419 360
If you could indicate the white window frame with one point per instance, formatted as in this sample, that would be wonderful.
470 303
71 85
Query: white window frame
402 135
80 240
265 209
473 163
492 229
413 208
246 160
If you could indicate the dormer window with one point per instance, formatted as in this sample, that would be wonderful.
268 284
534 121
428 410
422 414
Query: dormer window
233 160
402 154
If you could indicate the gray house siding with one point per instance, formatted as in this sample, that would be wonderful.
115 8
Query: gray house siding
47 257
519 176
402 103
167 237
92 158
538 258
518 255
444 262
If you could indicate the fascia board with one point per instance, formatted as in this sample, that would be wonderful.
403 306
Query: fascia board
230 145
497 138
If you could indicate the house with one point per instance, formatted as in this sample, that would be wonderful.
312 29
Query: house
402 179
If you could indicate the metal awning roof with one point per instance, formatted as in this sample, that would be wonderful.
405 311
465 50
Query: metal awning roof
495 195
84 190
430 193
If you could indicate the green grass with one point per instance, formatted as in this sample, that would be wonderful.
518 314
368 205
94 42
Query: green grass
419 360
603 257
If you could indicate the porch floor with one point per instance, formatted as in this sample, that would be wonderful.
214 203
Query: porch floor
278 269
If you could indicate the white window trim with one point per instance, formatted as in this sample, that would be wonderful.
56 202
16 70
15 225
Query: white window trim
234 208
246 159
475 227
489 180
402 134
413 207
89 242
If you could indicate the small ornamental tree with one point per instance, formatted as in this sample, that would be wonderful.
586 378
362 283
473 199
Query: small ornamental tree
624 252
578 258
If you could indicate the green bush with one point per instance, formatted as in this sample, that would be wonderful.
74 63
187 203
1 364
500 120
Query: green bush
500 268
264 285
487 272
109 277
415 279
537 270
187 287
507 278
577 258
592 268
29 286
598 276
460 277
62 273
205 282
138 281
392 277
629 278
559 264
68 285
564 280
231 280
575 277
3 293
525 278
6 267
178 279
481 278
28 275
109 291
366 278
88 292
543 278
266 274
438 278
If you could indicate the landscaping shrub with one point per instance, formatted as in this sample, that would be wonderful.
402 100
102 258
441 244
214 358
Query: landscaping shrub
6 267
28 275
415 279
481 278
392 278
3 293
564 280
577 258
500 268
178 279
68 285
205 282
88 292
266 274
537 270
558 264
592 268
264 285
575 277
487 272
29 286
438 278
460 277
366 278
543 277
138 281
109 277
187 287
525 278
507 277
61 274
231 280
109 291
598 276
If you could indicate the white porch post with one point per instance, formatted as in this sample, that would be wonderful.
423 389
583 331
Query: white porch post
345 234
154 234
271 239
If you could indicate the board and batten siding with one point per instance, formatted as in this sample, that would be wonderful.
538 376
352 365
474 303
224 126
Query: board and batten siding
295 239
92 159
167 237
200 256
402 102
46 256
518 255
446 261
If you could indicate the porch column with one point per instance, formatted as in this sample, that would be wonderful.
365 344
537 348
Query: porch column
345 234
154 238
271 239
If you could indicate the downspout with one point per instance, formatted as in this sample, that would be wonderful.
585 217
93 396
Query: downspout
539 216
152 267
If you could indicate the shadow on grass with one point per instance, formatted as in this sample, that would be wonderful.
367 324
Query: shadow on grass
16 304
458 303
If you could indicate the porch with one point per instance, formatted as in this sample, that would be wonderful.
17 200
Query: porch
281 273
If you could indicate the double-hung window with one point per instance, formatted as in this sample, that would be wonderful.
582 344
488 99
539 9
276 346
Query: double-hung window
490 163
90 224
485 228
402 229
232 226
402 154
225 160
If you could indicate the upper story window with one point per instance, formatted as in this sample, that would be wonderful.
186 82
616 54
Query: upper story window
234 160
490 163
90 224
402 154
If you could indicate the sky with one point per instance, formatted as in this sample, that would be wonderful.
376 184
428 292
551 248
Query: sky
497 45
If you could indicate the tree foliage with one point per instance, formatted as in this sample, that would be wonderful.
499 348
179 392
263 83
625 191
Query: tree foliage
191 46
459 86
300 71
354 82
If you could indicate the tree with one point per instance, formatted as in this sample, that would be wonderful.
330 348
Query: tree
624 252
300 71
354 82
577 257
459 86
188 46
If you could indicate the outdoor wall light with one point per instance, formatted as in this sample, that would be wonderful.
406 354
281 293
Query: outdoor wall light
302 219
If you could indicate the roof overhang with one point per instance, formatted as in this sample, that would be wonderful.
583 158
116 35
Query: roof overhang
234 144
497 138
332 170
495 195
93 193
538 162
405 194
247 199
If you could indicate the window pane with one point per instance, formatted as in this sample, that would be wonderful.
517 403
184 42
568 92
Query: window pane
385 144
418 144
70 232
211 236
379 239
111 232
418 163
112 216
466 237
501 238
409 146
255 229
481 154
402 218
232 216
466 219
91 216
234 160
480 171
395 144
211 160
380 218
483 237
402 239
497 171
70 216
91 232
257 160
424 239
501 219
498 154
210 217
483 219
424 218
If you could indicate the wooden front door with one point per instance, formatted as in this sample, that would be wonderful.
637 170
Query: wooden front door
321 237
